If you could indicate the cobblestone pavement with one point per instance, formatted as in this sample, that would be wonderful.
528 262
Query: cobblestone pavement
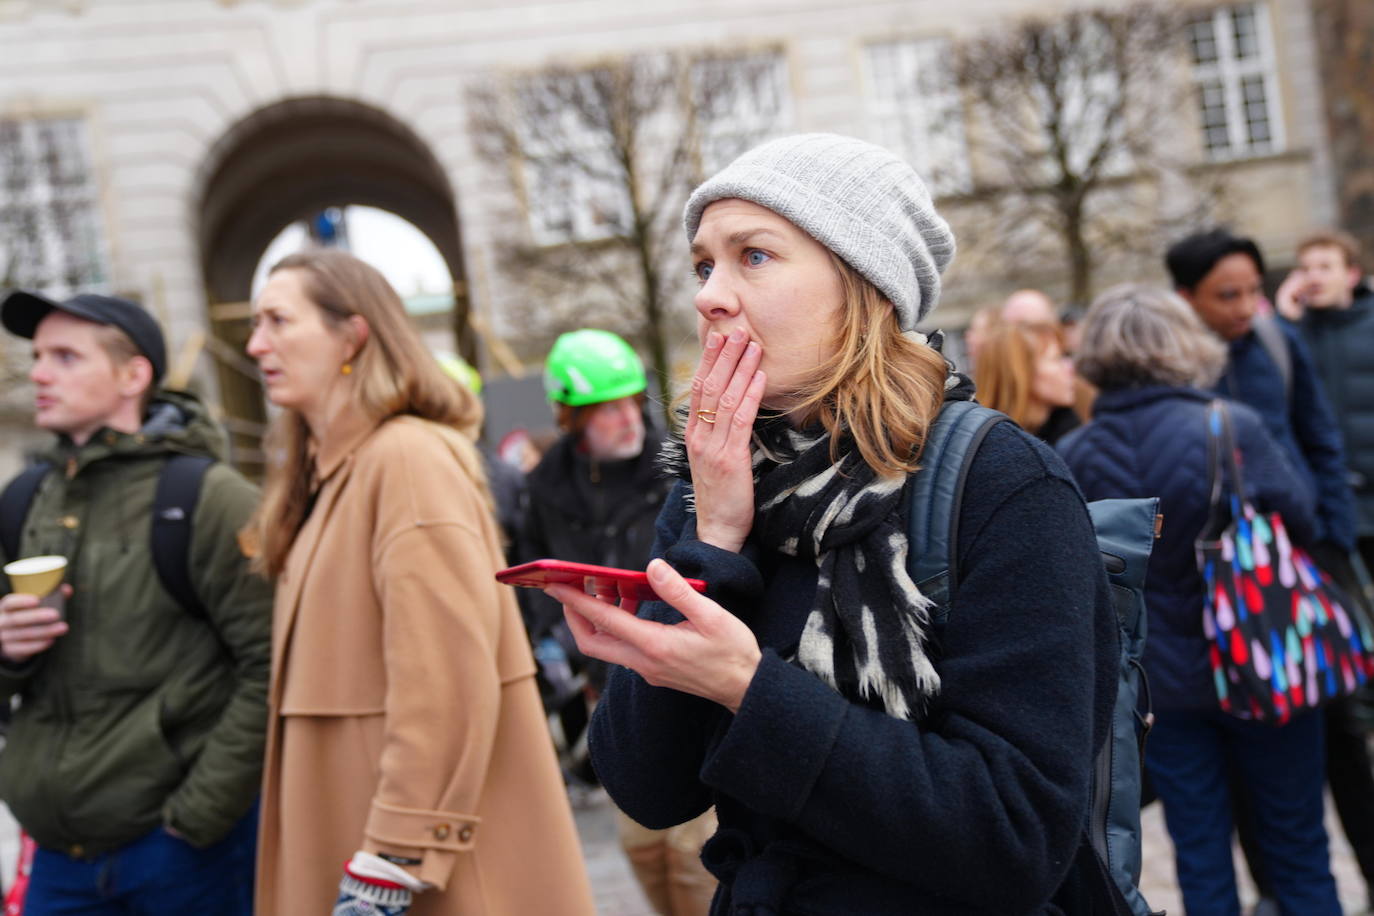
618 895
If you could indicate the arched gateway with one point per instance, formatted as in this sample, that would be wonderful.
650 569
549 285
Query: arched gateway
286 162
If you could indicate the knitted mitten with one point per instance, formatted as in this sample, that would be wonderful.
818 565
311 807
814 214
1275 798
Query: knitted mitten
360 896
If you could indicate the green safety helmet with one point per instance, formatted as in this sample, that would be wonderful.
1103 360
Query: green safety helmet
590 367
461 370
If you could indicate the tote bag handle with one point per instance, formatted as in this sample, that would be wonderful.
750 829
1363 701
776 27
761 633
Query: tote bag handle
1223 457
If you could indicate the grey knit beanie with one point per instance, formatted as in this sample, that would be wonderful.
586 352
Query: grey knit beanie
857 199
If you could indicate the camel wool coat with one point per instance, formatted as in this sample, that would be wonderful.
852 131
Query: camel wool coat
404 716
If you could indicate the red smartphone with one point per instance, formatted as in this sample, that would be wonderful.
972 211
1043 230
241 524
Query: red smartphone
604 581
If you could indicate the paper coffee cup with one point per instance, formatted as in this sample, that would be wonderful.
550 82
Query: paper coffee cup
37 576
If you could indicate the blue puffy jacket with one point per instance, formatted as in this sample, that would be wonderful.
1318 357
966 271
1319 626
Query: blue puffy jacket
1153 442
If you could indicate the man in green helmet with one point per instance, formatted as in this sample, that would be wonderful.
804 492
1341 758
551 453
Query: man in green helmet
593 498
594 495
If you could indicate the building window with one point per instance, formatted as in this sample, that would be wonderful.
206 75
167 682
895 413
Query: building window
50 236
1235 80
741 101
576 190
914 109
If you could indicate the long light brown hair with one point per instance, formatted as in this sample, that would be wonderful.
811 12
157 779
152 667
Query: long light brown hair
1005 371
392 374
881 388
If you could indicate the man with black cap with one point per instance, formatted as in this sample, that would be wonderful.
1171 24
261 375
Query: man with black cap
135 753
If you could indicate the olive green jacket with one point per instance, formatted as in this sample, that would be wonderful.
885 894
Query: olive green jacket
144 713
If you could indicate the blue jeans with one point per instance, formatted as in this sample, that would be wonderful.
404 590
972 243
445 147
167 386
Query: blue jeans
1281 769
155 875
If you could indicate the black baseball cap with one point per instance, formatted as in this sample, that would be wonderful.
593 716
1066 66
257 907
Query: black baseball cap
21 312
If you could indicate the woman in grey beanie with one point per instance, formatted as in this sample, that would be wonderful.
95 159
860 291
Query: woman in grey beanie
862 759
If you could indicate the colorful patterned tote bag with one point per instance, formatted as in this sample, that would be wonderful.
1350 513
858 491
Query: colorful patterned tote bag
1283 637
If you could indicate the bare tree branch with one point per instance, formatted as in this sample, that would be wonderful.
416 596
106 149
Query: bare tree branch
1066 112
601 159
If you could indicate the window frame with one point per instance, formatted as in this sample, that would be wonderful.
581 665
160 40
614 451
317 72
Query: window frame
72 251
886 105
1232 74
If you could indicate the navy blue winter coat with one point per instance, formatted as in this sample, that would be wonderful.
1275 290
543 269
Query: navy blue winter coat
1153 442
828 806
1304 425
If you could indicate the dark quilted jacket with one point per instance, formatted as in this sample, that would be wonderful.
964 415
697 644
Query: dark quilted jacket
1153 442
1342 345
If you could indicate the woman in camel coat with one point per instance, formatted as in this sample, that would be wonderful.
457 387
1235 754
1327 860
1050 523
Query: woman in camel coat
406 736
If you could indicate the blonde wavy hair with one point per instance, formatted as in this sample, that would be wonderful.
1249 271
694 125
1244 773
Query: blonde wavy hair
393 374
1005 371
881 387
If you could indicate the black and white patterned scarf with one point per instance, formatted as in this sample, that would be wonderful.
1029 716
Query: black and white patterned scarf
866 633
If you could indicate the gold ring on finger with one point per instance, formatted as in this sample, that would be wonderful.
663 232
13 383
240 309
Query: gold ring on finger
706 416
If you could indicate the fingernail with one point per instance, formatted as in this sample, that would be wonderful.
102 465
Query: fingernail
752 349
737 335
657 569
713 340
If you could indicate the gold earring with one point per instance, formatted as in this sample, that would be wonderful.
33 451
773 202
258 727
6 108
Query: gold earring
346 369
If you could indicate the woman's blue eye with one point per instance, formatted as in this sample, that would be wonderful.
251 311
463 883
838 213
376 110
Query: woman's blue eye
756 258
702 271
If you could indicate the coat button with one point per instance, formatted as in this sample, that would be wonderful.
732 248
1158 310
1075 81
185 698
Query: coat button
465 834
442 831
70 522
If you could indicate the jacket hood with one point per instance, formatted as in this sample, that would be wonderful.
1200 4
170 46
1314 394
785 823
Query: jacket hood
176 421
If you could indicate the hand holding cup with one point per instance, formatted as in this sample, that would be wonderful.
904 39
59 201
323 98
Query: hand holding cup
31 618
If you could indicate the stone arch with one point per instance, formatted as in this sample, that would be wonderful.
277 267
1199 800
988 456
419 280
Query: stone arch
282 163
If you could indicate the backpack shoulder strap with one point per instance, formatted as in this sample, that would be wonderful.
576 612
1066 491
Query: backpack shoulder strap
15 503
174 509
935 497
1271 337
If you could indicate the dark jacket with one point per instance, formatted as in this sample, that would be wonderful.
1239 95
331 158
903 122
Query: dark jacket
828 806
1303 425
143 714
1342 346
1153 442
1061 422
589 511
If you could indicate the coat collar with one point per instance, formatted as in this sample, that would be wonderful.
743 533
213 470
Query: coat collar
1359 309
340 442
551 478
1130 398
349 429
302 557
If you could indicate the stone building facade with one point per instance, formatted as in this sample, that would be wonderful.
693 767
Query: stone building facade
179 136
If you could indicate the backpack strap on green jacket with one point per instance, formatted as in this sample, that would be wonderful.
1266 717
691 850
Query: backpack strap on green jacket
174 510
15 503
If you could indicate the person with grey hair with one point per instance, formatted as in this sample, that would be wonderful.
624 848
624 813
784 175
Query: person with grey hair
1152 358
862 757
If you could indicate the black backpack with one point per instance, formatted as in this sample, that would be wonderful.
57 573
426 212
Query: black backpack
174 507
1107 866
